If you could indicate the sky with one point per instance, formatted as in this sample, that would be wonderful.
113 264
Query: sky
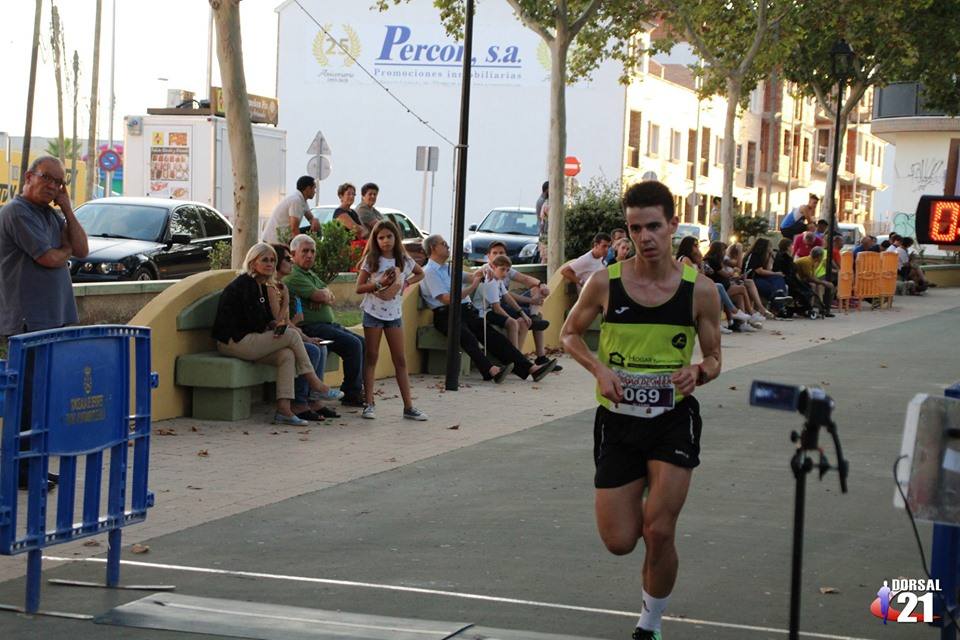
151 45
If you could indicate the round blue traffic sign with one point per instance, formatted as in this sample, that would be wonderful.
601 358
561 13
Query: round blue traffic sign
109 160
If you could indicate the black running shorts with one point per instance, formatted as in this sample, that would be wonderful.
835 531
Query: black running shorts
622 445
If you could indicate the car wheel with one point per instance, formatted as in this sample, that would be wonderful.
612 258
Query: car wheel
143 273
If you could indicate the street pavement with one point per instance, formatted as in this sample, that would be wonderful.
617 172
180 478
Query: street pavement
484 513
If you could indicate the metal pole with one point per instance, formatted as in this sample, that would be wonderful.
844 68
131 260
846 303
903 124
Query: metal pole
28 127
210 57
856 149
456 269
696 165
113 98
834 170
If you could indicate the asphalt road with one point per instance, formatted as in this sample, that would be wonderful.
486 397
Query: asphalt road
512 519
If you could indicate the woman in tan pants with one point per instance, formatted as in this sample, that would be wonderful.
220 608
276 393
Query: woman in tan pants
245 328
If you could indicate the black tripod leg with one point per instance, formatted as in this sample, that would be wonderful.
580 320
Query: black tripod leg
796 575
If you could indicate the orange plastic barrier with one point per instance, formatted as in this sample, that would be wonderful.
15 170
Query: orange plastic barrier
867 283
845 281
888 278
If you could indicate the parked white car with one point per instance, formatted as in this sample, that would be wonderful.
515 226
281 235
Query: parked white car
700 231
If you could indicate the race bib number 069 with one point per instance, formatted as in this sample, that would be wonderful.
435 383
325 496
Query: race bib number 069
646 394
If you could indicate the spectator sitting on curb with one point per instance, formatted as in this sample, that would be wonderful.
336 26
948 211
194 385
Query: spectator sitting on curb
910 270
319 320
494 297
579 269
806 269
435 290
306 403
245 328
688 252
529 301
369 215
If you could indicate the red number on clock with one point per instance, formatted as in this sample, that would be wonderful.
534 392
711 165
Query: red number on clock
945 221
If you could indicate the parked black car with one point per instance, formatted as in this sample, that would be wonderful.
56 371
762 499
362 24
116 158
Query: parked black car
147 239
516 227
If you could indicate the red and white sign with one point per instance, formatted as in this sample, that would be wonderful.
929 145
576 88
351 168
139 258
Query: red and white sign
571 166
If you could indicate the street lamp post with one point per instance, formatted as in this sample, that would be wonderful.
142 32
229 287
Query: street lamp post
841 57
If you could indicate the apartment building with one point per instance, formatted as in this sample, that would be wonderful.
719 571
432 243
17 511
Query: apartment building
673 136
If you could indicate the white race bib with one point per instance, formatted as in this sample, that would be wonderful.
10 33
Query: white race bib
645 395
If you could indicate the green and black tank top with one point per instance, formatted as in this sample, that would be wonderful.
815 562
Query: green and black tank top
644 345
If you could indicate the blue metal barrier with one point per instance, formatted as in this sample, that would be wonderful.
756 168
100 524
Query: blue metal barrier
67 393
945 560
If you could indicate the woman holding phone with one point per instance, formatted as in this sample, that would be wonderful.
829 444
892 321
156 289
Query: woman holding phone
245 328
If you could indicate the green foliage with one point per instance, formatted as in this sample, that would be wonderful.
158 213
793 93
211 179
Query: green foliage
749 227
53 148
594 208
904 40
220 256
334 253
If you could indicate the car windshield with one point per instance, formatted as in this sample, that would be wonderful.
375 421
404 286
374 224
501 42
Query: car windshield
323 215
850 236
687 230
519 223
118 220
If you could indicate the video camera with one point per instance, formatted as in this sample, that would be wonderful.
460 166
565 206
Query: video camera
813 403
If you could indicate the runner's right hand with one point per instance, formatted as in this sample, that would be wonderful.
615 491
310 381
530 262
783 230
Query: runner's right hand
609 383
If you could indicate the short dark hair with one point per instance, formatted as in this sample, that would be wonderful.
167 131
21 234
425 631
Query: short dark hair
502 261
342 189
649 194
895 236
619 230
546 186
823 222
370 186
906 243
601 237
813 196
886 244
303 182
496 243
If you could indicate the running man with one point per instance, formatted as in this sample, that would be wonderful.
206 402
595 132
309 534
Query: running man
647 427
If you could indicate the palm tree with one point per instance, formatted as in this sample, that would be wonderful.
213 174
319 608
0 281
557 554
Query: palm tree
53 148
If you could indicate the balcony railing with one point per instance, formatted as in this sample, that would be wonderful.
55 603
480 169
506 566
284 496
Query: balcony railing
901 100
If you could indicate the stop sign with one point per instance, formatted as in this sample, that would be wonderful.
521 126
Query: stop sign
571 166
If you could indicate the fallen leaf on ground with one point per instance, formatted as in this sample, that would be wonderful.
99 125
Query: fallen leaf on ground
274 433
304 439
733 387
390 460
246 433
165 432
140 548
883 366
91 543
190 486
194 429
829 590
454 427
203 453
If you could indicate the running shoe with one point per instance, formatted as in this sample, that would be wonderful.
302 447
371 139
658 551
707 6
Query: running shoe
743 327
415 414
725 330
329 394
544 370
741 316
643 634
369 412
757 317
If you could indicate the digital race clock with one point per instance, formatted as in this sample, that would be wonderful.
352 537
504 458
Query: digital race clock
938 220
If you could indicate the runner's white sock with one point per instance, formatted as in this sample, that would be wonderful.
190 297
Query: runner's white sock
651 612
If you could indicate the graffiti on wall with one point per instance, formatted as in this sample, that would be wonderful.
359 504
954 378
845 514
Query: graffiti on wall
923 173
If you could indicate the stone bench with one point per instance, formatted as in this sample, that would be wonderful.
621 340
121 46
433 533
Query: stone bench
223 388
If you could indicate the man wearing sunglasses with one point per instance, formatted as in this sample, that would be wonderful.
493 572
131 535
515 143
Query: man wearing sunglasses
36 243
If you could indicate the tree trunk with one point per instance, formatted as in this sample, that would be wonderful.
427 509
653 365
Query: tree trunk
557 149
853 99
243 157
734 89
772 158
73 147
56 38
92 131
28 126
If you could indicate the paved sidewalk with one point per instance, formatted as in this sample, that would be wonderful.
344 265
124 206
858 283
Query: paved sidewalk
204 471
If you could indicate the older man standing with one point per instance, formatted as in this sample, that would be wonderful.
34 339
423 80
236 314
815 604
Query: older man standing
319 320
36 242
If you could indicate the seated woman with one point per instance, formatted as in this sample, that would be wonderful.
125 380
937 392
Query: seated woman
758 266
688 252
909 267
306 403
622 250
716 270
733 262
245 328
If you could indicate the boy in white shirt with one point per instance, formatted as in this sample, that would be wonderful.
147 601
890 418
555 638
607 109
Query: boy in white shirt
578 270
494 295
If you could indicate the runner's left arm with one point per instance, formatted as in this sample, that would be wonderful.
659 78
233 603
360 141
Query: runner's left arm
706 311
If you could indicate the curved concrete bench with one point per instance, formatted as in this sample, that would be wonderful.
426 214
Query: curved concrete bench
223 387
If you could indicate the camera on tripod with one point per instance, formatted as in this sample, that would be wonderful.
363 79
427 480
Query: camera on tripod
813 403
